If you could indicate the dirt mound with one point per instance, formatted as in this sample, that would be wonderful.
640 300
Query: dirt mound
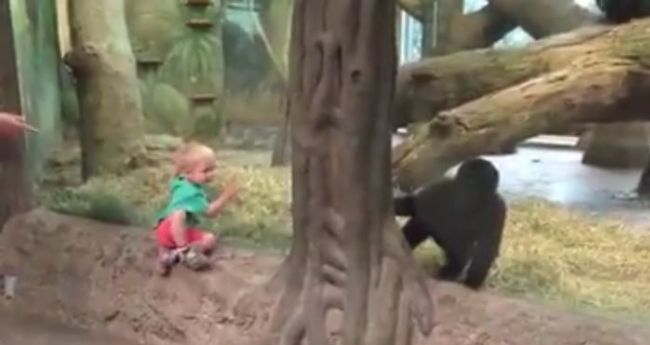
100 278
21 330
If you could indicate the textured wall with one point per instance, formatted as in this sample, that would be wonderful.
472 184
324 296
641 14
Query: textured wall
180 64
38 62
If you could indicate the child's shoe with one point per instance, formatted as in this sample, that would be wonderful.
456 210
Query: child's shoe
167 260
195 260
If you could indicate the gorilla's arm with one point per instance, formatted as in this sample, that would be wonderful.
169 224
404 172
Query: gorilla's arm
405 205
415 232
488 244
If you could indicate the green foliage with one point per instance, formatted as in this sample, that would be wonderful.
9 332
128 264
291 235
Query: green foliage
208 120
69 100
97 205
154 26
213 12
172 110
193 64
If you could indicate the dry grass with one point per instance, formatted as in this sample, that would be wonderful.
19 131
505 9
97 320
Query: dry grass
561 256
548 252
259 215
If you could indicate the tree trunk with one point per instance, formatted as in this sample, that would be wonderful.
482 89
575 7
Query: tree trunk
348 254
619 145
590 90
426 87
447 30
437 22
14 186
281 147
586 137
542 18
111 123
616 145
643 188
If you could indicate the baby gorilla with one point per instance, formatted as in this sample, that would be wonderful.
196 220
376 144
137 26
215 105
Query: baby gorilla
464 216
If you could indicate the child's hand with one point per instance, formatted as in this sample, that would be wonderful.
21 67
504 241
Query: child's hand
230 190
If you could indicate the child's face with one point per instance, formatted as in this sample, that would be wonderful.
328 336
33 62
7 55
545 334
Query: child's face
203 171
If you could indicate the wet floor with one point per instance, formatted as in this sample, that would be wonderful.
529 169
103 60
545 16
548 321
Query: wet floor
557 174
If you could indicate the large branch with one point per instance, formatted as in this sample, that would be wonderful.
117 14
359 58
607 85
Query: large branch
426 87
602 79
479 29
542 18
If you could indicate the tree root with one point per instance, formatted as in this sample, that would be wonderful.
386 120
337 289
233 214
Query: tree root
251 309
334 276
416 293
398 297
295 329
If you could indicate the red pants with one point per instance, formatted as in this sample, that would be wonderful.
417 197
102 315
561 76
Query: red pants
165 238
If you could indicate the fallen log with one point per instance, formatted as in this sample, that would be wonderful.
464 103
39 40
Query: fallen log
426 87
602 77
542 18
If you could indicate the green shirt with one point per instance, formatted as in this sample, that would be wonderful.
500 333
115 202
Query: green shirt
187 196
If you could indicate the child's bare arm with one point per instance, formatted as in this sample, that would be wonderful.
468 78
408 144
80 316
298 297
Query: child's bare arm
177 220
218 204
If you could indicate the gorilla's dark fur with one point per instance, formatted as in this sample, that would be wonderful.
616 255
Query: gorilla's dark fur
464 216
621 11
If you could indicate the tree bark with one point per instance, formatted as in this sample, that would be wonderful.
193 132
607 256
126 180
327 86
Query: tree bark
15 188
643 188
542 18
281 147
619 145
111 123
452 31
479 29
426 87
595 87
347 253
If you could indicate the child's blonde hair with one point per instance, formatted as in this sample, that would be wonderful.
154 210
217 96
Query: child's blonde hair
189 154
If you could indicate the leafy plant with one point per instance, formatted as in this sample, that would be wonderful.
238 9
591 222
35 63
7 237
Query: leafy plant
154 26
171 110
194 63
100 206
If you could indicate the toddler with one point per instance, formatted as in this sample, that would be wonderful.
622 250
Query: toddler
177 235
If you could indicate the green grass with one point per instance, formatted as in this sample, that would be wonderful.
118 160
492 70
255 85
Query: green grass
549 253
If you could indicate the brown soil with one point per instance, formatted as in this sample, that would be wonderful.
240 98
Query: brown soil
81 282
